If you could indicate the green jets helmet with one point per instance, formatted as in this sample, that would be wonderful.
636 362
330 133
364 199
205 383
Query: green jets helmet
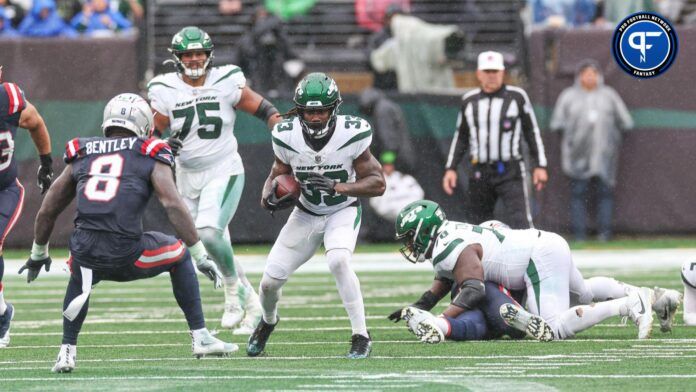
190 39
416 227
317 91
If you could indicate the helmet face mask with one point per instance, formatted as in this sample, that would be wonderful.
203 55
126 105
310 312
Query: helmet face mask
416 226
317 96
187 40
131 112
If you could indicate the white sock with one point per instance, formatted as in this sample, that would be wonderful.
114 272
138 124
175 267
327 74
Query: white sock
443 324
3 305
348 288
604 288
269 293
579 318
231 290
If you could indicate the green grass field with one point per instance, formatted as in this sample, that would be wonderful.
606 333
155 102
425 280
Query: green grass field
136 339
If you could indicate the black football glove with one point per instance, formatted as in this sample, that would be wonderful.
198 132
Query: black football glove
34 267
396 315
44 176
427 301
175 144
319 182
273 203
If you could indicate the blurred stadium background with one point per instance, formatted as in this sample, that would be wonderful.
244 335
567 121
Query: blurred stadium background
70 80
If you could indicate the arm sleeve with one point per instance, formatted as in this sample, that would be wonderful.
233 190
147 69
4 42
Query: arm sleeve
365 139
460 141
532 134
278 148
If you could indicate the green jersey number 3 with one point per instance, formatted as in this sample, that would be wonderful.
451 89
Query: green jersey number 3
317 197
203 119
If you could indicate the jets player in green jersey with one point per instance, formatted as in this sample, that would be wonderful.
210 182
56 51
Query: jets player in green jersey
537 261
330 156
198 104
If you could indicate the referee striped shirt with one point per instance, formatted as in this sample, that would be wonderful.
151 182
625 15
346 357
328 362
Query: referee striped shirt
489 127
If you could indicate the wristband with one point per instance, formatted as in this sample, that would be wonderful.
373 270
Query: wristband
39 252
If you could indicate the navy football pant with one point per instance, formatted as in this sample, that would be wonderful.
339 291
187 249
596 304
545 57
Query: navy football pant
485 321
11 203
162 253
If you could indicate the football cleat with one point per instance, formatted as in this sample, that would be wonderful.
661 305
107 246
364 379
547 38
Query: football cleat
5 321
666 303
259 338
429 332
65 363
251 318
360 346
639 306
413 317
534 326
205 344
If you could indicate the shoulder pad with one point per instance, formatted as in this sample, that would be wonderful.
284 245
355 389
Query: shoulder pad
157 149
74 149
160 81
11 99
228 74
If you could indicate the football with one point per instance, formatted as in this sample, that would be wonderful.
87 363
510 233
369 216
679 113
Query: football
287 184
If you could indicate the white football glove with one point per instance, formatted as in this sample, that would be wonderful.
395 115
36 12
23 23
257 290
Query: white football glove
205 264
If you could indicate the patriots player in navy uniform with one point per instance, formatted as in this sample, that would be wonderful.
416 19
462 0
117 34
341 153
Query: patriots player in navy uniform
16 112
112 178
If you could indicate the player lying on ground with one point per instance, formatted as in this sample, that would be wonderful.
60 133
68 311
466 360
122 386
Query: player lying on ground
199 104
17 112
481 323
537 261
113 177
602 288
330 155
688 275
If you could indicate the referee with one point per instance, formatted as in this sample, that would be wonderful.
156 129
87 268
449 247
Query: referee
492 120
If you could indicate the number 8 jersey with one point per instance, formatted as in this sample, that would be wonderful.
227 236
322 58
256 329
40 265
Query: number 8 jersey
351 138
203 117
113 181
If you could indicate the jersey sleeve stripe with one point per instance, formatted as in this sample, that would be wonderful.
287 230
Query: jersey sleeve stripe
154 146
16 101
443 255
280 143
72 147
234 71
356 138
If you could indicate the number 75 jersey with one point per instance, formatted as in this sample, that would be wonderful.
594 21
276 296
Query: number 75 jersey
351 138
202 117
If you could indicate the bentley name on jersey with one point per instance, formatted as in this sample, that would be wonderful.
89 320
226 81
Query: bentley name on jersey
351 138
202 117
506 252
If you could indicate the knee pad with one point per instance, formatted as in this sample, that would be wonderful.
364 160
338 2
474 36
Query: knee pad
269 283
338 259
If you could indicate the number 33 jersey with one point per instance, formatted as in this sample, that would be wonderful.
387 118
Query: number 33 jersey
113 181
351 138
202 117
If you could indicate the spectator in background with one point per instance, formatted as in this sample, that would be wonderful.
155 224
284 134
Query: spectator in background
44 21
133 10
230 7
97 18
558 13
266 56
12 11
6 29
370 14
419 52
591 116
401 190
383 80
391 142
614 11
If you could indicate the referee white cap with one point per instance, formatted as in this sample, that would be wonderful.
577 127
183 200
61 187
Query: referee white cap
490 61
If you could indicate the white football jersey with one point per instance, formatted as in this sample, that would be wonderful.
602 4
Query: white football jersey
352 137
506 252
203 117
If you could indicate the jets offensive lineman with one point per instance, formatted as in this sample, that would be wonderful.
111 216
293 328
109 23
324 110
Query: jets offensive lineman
537 261
330 156
198 103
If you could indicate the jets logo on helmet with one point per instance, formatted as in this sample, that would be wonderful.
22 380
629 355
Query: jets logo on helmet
416 226
317 91
189 39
